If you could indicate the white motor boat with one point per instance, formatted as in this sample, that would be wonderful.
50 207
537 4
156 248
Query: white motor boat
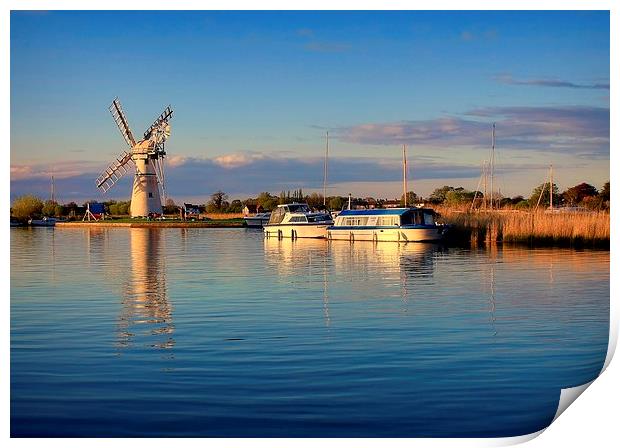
297 221
395 224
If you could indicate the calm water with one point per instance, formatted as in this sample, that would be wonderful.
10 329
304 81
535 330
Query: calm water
217 332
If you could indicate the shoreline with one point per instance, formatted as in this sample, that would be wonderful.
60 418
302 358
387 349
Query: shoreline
473 229
158 224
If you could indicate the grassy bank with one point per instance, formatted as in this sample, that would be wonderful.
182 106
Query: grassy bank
529 227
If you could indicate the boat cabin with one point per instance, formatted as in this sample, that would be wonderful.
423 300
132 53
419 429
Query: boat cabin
395 217
297 214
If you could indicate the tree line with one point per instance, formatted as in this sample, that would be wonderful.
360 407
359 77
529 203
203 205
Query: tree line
581 195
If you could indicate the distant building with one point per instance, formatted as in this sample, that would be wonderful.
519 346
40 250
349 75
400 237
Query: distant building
391 204
252 209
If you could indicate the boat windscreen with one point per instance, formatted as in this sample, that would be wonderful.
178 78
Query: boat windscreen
298 208
277 216
415 217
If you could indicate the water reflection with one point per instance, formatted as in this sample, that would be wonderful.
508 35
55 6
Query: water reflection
492 303
302 260
361 266
95 244
146 310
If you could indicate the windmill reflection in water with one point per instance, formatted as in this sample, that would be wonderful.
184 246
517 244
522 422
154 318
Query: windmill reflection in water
146 310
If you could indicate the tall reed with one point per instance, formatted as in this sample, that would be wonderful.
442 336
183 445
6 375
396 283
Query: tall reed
533 227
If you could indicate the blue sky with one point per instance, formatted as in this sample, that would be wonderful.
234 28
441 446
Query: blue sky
254 93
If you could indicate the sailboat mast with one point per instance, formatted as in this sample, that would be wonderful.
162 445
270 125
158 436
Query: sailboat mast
485 196
492 162
52 192
405 173
551 186
325 169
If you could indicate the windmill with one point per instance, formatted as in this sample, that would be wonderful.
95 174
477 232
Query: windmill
147 156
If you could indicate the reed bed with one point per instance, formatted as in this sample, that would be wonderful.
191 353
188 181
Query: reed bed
531 227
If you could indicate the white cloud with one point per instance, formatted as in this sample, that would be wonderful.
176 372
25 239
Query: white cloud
238 159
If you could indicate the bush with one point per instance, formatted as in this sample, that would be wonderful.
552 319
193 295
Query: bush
27 206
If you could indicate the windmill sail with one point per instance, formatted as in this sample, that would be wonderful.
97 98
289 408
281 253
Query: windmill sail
163 118
114 172
121 122
159 172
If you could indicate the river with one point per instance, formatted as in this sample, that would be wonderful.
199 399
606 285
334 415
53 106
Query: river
219 332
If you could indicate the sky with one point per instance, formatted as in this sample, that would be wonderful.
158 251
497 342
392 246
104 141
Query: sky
254 93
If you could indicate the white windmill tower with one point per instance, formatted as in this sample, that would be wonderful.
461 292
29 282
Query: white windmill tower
147 156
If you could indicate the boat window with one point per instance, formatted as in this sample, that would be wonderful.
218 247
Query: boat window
388 221
356 221
298 208
298 219
429 220
319 218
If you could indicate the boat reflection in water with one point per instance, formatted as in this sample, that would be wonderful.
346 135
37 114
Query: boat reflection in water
342 271
146 313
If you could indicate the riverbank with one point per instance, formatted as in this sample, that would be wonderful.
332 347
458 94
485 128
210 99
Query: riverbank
212 223
534 228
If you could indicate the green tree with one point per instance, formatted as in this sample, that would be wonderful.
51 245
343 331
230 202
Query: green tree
123 207
516 199
459 196
267 201
235 206
438 196
315 200
412 199
217 202
28 206
545 199
336 203
298 195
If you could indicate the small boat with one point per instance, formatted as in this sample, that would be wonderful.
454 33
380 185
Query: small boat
396 224
297 221
258 220
44 222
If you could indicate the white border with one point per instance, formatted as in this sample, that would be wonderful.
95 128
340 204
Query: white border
590 422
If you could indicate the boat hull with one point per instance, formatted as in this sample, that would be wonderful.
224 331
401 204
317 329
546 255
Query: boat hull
256 222
402 235
42 223
296 231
